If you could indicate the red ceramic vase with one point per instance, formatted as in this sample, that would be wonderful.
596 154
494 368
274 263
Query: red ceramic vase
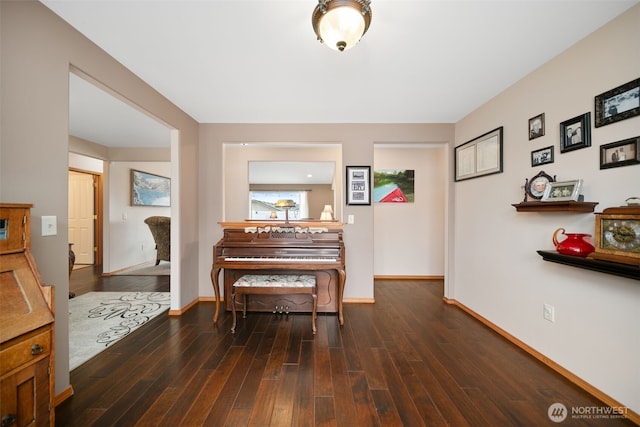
575 243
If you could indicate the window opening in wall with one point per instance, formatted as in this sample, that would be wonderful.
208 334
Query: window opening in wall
262 204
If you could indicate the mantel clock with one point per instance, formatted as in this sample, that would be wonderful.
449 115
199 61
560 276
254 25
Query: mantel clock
617 236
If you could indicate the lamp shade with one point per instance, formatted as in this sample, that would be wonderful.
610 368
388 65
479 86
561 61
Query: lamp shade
327 213
285 203
341 23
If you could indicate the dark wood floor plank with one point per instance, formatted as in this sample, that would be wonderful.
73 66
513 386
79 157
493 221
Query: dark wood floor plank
342 396
409 359
303 405
366 413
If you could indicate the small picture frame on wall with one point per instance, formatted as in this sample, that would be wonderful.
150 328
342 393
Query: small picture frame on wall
620 153
536 126
542 156
358 185
617 104
575 133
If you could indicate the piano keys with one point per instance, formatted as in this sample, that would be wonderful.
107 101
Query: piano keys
270 247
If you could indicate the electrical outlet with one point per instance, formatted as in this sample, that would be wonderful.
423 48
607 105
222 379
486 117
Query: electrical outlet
549 312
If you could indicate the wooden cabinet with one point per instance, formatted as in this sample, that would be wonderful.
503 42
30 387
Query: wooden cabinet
26 327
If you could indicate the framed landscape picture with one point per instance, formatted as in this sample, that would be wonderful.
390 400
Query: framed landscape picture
148 189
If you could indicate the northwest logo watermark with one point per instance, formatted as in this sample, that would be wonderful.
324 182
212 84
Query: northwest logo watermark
558 412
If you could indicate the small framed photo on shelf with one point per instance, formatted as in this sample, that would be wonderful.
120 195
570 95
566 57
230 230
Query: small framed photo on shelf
542 156
618 103
358 185
620 153
480 156
575 133
562 191
536 126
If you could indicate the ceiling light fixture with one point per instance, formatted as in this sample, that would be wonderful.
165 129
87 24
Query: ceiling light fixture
341 23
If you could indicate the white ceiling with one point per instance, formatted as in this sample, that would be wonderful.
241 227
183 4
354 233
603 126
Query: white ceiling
238 61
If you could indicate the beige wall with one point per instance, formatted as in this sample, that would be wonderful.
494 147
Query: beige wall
38 49
357 142
496 270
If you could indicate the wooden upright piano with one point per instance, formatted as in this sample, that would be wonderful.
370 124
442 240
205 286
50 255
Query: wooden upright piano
272 247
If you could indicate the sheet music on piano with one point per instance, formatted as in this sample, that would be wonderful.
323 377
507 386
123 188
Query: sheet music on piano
266 247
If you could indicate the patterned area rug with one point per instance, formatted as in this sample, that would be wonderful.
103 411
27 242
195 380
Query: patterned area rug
99 319
162 269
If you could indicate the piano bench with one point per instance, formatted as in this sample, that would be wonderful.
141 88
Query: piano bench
274 284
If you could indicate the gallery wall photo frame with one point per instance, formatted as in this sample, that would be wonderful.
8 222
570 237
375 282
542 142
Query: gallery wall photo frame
148 189
358 185
480 156
575 133
617 104
620 153
542 156
536 126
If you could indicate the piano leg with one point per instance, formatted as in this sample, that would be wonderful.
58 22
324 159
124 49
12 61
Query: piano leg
342 277
215 272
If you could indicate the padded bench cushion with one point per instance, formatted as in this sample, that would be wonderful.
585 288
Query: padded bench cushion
277 280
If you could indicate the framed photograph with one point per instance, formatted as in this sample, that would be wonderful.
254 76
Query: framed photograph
148 189
542 156
618 104
536 126
480 156
535 186
620 153
358 185
562 191
575 133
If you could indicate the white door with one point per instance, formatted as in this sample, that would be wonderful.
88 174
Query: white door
81 214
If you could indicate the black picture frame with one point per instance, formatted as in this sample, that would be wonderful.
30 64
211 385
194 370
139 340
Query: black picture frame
617 104
575 133
542 156
358 185
610 153
536 126
480 156
534 187
148 189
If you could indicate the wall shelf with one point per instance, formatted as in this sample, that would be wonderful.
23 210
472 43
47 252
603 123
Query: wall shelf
618 269
568 206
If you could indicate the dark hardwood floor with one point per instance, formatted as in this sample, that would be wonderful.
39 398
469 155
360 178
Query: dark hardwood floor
407 360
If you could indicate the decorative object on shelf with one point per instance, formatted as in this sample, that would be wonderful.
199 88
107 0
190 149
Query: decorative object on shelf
340 24
72 258
286 204
575 133
567 206
358 185
620 153
562 191
633 201
618 103
542 156
536 126
574 244
534 187
618 235
480 156
327 213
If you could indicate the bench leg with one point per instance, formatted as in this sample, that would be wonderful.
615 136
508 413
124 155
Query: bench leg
314 295
233 312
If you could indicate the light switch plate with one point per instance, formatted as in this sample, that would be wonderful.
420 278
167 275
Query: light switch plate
49 227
